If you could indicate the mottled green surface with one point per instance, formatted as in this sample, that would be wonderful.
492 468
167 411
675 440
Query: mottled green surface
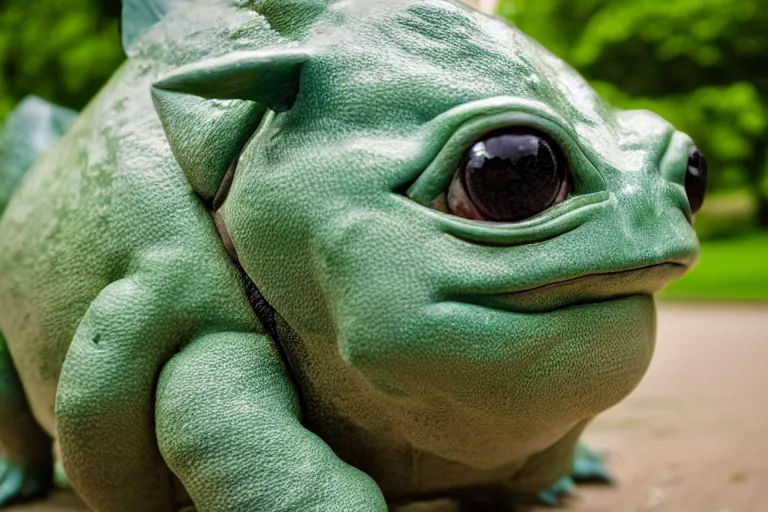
413 353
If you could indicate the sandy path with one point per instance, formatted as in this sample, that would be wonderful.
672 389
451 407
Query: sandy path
694 435
692 438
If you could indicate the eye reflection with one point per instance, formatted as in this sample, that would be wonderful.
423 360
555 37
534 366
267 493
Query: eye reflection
507 177
696 179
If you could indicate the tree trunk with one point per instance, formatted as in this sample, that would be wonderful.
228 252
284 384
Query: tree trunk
758 178
762 211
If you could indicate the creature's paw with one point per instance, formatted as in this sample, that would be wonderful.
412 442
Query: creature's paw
19 483
60 476
556 492
589 466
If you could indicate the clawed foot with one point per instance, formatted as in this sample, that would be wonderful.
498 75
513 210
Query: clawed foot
60 476
588 467
552 496
18 483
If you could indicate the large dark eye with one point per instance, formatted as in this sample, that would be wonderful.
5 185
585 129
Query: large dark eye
696 179
508 177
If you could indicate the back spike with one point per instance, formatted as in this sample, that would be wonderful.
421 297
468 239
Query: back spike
138 16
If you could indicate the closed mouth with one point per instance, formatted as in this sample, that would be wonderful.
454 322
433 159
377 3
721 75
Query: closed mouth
591 288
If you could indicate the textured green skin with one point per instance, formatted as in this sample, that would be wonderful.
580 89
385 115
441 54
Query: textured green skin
418 354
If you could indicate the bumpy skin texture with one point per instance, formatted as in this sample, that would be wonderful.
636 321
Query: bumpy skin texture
402 352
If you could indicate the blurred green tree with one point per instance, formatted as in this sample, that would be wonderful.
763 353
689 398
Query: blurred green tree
61 51
699 63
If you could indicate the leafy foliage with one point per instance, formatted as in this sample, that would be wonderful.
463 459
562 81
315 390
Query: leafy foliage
729 270
60 51
699 63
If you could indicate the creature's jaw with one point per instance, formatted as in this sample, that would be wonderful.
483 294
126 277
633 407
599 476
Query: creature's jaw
592 288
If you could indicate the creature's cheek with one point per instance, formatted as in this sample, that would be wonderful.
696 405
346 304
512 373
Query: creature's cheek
607 349
382 279
561 367
502 379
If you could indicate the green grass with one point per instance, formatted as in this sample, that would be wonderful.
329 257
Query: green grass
727 214
730 269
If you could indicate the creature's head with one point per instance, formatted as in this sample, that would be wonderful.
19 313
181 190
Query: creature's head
450 209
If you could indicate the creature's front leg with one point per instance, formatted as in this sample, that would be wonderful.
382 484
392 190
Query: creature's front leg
105 399
228 424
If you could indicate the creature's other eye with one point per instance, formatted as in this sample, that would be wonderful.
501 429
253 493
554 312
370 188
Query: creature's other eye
696 179
507 176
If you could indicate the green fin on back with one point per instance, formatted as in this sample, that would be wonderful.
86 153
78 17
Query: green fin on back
34 126
138 16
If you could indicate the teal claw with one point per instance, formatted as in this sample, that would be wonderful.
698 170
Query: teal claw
589 466
20 483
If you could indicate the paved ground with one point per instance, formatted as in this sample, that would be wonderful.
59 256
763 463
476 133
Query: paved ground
693 437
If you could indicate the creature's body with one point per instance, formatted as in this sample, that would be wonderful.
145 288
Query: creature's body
318 335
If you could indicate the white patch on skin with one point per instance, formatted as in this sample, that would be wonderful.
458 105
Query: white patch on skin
581 94
629 189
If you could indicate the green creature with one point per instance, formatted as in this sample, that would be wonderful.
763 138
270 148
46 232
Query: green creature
311 255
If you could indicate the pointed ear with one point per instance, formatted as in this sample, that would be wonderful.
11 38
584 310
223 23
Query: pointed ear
210 109
270 78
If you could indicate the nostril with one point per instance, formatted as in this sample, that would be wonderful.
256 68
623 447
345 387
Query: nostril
696 179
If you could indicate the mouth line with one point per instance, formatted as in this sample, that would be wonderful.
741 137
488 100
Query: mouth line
587 289
588 277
